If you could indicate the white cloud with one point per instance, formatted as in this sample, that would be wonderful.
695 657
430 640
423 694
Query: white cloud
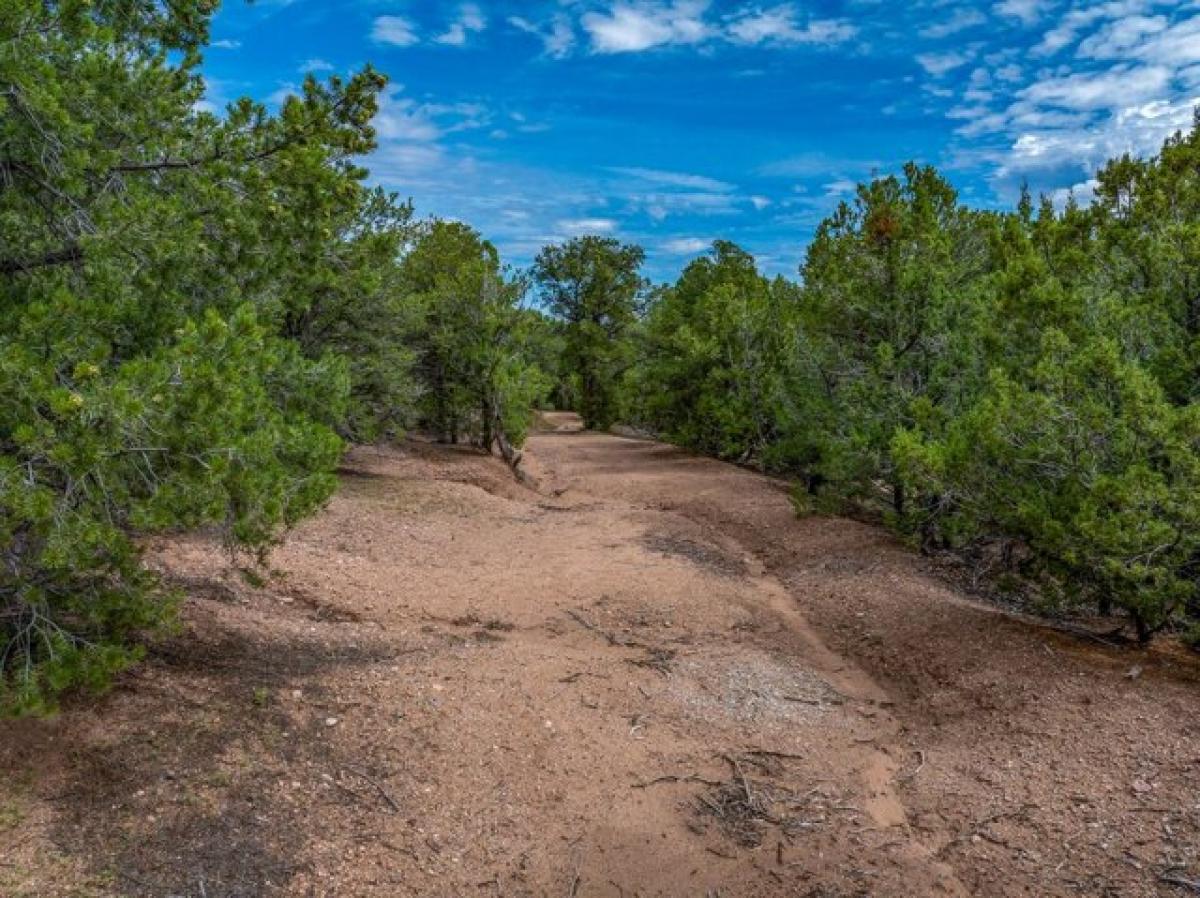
557 36
675 179
1028 11
316 65
781 25
1119 87
406 165
1009 73
960 21
1082 193
760 202
1120 37
395 30
402 118
279 96
686 246
1150 38
840 187
1137 130
633 27
816 164
661 204
577 227
471 20
938 64
226 44
1076 21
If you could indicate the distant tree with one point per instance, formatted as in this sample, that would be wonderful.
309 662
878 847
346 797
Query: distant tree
593 284
355 311
471 341
709 364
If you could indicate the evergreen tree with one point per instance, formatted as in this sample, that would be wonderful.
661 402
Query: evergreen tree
593 284
886 279
709 368
471 341
152 255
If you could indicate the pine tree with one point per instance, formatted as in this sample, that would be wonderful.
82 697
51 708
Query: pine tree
152 256
594 285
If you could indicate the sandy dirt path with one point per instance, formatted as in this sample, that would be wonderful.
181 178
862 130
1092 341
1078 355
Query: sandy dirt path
646 677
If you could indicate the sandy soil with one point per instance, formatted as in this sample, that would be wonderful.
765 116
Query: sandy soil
645 677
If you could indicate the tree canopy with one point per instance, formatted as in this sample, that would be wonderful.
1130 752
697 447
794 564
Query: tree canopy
1017 388
593 285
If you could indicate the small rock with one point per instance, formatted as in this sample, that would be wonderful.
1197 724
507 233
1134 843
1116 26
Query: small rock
1141 787
331 721
1134 672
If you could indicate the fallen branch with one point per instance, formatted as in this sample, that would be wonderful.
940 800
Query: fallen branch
671 778
378 788
612 639
1192 885
768 753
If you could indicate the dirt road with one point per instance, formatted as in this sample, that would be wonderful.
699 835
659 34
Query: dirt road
646 677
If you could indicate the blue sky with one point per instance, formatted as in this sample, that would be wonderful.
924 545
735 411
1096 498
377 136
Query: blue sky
675 122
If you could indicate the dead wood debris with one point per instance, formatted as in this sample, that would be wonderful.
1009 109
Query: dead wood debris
656 659
659 659
367 778
744 807
1180 882
674 778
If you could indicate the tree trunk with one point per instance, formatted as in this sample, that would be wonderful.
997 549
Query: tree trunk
1144 633
488 435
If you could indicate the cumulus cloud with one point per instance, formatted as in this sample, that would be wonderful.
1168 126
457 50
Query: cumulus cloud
686 246
633 27
1138 130
471 20
1125 75
395 30
938 64
316 65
